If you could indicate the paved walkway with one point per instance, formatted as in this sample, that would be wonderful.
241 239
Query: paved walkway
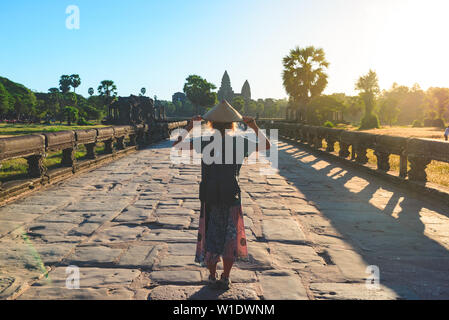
313 229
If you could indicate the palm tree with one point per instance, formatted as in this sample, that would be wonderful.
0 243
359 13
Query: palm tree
65 82
75 81
368 86
304 75
107 90
91 91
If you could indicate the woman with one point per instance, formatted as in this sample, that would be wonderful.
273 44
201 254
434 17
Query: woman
221 229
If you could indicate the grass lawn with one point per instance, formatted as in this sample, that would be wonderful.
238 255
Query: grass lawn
403 131
9 130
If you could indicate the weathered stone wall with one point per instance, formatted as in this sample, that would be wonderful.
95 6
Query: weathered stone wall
416 151
35 147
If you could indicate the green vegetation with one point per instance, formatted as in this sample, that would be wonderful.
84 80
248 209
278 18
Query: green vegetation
368 86
19 104
328 124
417 124
304 79
22 129
200 93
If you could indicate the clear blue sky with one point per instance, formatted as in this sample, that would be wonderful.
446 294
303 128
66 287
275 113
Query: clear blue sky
157 44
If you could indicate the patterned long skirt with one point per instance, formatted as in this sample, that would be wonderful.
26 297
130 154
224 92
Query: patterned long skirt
221 233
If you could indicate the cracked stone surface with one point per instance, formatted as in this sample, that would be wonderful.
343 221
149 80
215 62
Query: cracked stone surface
315 230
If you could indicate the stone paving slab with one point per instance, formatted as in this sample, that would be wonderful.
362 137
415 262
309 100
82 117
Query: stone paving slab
282 285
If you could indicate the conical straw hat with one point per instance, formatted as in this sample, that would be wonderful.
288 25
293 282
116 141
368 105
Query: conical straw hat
223 112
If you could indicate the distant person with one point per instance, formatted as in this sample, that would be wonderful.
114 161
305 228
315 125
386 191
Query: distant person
446 133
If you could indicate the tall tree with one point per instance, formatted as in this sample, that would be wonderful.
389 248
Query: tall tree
5 99
54 101
304 75
239 104
368 86
65 82
91 91
143 91
389 110
107 91
199 92
71 114
438 100
75 81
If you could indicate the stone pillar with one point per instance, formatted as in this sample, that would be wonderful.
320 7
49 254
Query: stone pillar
109 146
68 157
383 161
403 162
310 139
36 168
360 152
330 144
353 152
418 167
91 154
318 142
140 139
121 143
344 150
132 140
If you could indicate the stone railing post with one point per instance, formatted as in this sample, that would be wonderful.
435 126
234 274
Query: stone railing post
330 143
418 151
418 167
120 143
68 157
344 150
36 168
91 153
383 160
109 147
360 153
132 140
403 166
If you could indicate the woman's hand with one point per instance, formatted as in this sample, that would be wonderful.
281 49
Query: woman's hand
250 122
197 118
190 124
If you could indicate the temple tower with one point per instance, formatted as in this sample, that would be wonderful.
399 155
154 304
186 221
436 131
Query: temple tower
246 91
225 92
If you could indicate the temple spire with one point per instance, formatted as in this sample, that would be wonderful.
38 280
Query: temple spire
246 91
225 92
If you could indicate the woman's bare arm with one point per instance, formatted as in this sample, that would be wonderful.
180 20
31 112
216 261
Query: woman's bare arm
187 131
250 122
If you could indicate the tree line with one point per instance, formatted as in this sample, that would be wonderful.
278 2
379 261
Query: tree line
18 103
305 79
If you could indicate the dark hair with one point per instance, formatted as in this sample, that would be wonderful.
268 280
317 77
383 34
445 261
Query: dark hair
222 126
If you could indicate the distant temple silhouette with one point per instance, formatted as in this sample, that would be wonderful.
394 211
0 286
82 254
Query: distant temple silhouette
226 93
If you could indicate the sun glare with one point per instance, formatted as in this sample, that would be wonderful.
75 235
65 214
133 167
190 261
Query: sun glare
411 43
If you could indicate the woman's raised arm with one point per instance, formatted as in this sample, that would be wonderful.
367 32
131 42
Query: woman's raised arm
250 122
187 130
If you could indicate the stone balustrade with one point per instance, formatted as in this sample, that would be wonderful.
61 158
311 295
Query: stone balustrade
35 147
353 145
